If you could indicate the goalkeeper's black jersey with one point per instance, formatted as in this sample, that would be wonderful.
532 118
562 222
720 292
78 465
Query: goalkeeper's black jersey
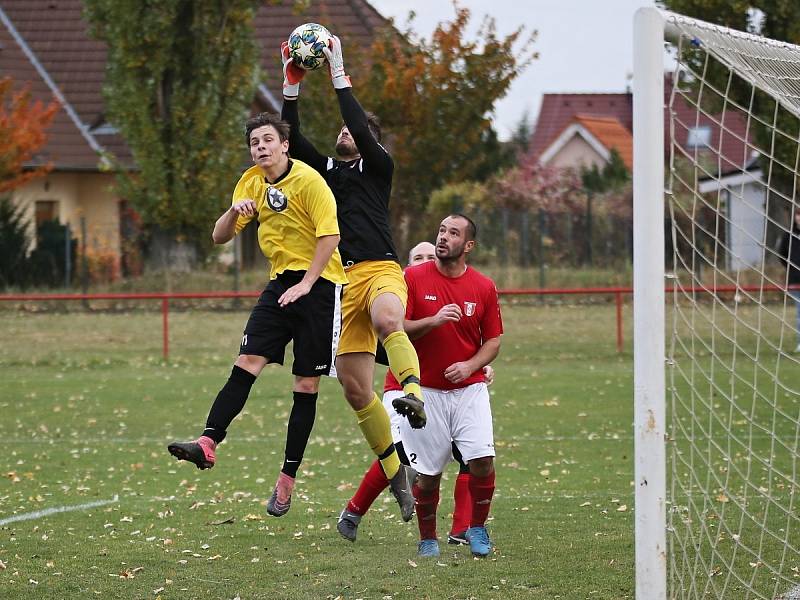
361 187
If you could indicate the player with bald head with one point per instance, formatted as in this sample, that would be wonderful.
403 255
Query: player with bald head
421 253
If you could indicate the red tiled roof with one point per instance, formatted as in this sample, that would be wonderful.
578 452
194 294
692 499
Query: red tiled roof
57 34
558 111
611 133
66 146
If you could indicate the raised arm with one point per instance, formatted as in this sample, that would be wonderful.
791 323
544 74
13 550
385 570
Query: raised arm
299 147
374 155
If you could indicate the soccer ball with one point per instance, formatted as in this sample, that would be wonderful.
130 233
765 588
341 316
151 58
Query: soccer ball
305 46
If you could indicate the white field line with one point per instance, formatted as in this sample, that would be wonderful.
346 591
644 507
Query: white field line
38 514
792 594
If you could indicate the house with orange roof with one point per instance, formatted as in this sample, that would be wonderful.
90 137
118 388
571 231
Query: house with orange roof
587 141
580 131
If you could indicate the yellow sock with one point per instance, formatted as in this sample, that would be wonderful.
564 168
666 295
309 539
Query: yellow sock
403 362
374 424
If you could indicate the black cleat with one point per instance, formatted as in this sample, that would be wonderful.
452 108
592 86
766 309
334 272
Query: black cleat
412 408
458 537
400 485
200 452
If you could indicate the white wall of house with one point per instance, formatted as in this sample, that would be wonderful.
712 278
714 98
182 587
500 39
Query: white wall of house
744 195
77 196
576 153
746 225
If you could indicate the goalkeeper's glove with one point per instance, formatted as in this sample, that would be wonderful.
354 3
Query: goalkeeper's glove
292 74
336 64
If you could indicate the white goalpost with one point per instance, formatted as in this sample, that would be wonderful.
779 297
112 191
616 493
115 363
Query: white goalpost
716 372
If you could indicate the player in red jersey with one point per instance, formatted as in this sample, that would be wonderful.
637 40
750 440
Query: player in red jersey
452 356
374 480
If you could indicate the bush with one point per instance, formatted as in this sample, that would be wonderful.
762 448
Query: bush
13 246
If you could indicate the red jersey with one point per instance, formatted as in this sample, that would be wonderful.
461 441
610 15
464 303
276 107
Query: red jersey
428 291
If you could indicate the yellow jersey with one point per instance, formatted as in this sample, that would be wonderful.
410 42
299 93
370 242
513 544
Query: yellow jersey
292 213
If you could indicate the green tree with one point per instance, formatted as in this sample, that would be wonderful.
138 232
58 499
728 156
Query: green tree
612 176
180 77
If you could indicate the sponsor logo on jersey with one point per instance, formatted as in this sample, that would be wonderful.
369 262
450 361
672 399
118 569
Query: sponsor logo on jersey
244 340
430 297
276 200
469 308
320 367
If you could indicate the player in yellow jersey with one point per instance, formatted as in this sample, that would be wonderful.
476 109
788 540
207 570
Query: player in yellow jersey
298 233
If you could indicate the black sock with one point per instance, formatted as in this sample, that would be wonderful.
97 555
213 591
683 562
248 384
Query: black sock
229 403
301 422
401 453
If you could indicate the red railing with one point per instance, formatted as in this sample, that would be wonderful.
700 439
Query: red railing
165 297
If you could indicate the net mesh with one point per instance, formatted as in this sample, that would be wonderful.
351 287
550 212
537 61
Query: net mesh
733 399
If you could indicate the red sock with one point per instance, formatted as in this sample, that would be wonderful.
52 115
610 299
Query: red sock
482 490
373 483
462 512
425 504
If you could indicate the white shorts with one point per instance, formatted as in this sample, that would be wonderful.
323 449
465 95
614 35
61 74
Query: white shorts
394 417
462 416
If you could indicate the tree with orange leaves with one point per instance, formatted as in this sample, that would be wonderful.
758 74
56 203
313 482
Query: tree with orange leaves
435 99
22 132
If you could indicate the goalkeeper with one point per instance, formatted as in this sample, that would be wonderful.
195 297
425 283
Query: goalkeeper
373 305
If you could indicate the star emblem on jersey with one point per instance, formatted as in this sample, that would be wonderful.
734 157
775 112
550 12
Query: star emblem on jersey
469 308
276 200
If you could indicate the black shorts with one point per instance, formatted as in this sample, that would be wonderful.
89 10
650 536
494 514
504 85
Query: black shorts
314 322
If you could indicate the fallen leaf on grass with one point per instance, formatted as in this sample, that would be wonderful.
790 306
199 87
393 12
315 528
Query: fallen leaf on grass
227 521
622 508
411 563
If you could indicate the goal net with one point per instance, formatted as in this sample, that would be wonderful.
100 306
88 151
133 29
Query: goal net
731 147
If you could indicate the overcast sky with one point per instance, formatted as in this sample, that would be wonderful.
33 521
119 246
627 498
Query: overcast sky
583 45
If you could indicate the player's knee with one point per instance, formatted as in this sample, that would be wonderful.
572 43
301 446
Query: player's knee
251 363
387 324
356 394
428 483
481 467
306 385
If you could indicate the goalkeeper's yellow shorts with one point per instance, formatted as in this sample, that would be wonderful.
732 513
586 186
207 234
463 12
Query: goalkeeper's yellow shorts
366 281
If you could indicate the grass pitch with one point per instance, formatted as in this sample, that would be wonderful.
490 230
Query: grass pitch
88 407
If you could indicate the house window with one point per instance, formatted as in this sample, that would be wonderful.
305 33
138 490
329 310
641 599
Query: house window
46 210
699 137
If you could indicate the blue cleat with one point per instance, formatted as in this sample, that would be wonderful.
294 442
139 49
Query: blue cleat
479 541
428 549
